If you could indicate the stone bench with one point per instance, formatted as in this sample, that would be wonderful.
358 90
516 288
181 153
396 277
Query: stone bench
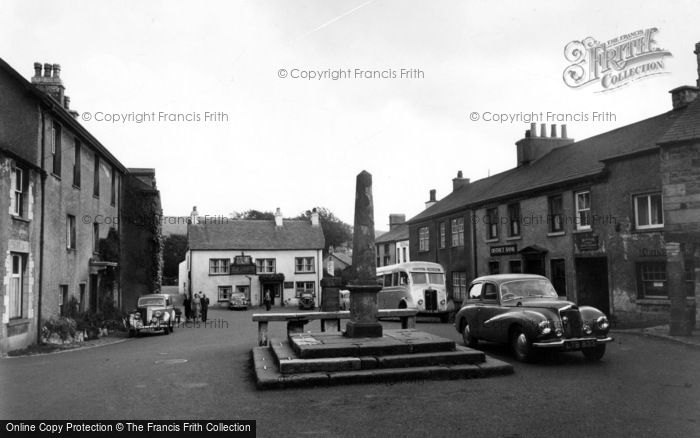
296 321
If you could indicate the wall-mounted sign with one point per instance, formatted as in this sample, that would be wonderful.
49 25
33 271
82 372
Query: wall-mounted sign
588 242
503 250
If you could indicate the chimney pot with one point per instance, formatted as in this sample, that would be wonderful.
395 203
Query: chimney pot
563 131
37 69
47 70
66 102
459 174
527 133
533 129
554 131
432 194
57 70
278 217
543 130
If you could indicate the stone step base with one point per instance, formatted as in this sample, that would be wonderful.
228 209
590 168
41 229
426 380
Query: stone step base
288 362
393 342
268 375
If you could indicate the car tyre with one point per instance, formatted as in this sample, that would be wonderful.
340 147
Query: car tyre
522 346
469 339
595 353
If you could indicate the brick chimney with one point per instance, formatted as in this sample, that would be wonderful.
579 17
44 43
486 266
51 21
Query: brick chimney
533 147
50 83
432 201
314 218
278 218
459 182
395 220
194 216
683 95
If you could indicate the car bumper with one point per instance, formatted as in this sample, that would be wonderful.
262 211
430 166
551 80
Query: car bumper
572 344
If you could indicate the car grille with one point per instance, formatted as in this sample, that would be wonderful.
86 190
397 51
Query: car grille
571 322
431 300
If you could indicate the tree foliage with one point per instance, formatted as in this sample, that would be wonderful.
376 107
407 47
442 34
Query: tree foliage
174 247
336 232
254 215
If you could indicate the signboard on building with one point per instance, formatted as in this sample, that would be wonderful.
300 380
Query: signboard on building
587 243
503 250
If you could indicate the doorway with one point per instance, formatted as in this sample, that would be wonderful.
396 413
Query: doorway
592 283
275 290
533 260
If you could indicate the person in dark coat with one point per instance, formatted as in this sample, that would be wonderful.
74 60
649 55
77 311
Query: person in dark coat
186 302
205 306
268 299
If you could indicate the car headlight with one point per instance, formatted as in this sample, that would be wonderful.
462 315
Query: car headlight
136 316
442 302
420 302
157 313
587 329
545 327
602 323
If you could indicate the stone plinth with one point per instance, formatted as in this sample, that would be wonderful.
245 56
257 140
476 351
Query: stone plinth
363 312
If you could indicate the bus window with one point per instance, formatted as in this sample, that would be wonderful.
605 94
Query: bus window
380 280
387 280
419 277
436 278
395 279
403 278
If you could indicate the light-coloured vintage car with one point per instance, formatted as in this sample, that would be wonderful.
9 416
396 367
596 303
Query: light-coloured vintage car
238 300
154 312
526 311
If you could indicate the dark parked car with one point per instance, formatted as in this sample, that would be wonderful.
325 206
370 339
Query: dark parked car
154 312
238 300
306 301
525 311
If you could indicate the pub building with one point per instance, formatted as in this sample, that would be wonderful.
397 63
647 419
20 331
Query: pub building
590 215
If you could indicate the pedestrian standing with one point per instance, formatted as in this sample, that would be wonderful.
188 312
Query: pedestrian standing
197 307
205 307
268 300
186 303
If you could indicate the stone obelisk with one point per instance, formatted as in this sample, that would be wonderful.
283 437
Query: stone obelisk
363 285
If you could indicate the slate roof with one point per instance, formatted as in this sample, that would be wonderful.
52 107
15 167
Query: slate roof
255 235
687 127
342 257
564 164
396 235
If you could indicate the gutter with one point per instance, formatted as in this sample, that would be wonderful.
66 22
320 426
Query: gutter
42 224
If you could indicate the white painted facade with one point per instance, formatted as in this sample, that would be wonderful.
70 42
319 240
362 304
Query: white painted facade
197 263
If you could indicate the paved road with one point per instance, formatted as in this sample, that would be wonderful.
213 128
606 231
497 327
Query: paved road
643 387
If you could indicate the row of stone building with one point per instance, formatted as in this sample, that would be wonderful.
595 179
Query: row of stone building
74 221
595 216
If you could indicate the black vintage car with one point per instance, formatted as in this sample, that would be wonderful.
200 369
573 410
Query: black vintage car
307 301
525 311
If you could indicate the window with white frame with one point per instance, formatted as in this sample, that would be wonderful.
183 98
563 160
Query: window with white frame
304 287
218 266
583 210
62 298
304 264
76 163
423 239
56 149
17 191
224 293
648 211
514 220
457 229
491 220
16 284
651 279
555 218
70 232
265 266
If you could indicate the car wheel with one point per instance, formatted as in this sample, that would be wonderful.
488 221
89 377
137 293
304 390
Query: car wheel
522 346
172 328
469 339
595 353
166 330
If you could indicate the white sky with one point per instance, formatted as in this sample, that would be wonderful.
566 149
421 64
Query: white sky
295 143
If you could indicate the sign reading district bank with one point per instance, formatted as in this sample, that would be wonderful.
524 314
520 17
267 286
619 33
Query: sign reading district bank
503 250
616 62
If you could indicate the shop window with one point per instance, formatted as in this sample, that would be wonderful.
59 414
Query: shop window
651 280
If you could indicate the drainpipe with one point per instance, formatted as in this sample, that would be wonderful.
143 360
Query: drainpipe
474 253
41 227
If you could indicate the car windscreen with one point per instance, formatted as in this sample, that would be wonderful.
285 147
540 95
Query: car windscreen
151 302
528 288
